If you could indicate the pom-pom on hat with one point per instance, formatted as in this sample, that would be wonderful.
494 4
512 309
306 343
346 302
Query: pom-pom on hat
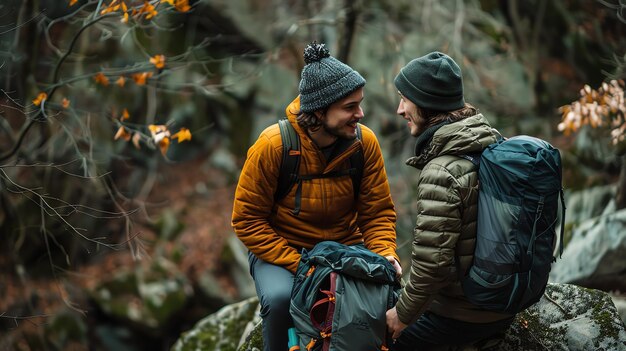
325 79
432 81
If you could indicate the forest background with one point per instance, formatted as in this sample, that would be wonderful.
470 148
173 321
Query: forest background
124 124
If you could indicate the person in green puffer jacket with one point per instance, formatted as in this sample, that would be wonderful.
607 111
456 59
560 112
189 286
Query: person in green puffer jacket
432 309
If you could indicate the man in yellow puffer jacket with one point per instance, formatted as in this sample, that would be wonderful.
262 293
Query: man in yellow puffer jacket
325 116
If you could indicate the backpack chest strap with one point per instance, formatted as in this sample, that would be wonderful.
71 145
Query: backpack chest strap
290 165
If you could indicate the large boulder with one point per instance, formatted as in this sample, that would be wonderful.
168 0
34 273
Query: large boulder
595 255
620 303
146 296
224 329
589 203
568 317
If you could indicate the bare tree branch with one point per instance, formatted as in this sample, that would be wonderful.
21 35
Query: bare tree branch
45 206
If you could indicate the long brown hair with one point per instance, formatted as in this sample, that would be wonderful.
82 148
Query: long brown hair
434 117
309 121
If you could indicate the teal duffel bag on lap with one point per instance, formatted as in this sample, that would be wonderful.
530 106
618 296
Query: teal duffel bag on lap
340 298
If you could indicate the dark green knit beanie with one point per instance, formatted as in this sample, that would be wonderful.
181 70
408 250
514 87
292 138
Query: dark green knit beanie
432 81
325 79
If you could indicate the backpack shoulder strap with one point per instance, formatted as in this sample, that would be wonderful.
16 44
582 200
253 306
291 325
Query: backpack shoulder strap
290 164
289 167
357 161
473 158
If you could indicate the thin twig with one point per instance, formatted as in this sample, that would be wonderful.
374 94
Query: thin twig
537 340
557 305
609 5
57 167
19 141
22 24
54 213
45 234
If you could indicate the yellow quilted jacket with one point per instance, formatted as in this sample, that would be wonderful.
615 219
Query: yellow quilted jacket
273 233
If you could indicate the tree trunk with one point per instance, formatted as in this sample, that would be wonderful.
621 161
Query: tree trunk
348 30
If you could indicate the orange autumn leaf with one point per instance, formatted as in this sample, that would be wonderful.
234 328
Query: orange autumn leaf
111 7
151 11
125 16
156 129
122 133
73 2
159 132
40 98
125 115
140 78
148 9
182 135
164 144
121 81
100 78
182 5
158 61
65 103
161 137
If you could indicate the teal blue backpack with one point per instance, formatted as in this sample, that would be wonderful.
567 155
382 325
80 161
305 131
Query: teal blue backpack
520 189
340 298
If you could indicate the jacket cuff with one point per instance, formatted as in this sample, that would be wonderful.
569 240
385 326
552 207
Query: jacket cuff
403 315
409 311
390 252
292 267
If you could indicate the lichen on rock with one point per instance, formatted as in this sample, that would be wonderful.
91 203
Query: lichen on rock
568 317
222 330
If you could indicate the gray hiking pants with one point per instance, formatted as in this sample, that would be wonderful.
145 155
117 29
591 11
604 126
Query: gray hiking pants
273 287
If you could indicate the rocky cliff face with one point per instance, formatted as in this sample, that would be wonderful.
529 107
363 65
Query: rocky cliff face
568 317
594 257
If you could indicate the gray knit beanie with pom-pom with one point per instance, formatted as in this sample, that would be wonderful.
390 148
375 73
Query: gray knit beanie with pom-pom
325 79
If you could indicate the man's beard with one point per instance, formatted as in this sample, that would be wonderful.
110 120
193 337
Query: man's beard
339 131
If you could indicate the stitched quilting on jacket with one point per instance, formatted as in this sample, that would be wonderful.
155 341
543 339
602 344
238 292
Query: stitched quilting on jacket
328 211
445 230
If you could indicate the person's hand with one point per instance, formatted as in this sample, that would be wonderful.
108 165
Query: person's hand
394 325
395 265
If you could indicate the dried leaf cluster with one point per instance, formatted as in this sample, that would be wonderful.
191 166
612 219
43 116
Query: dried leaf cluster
601 108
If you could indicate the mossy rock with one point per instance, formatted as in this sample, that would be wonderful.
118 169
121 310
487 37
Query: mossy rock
145 296
224 329
568 317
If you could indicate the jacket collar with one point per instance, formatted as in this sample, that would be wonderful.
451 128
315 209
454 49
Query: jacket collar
425 138
467 136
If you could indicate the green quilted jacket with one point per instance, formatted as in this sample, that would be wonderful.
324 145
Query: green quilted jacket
445 232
